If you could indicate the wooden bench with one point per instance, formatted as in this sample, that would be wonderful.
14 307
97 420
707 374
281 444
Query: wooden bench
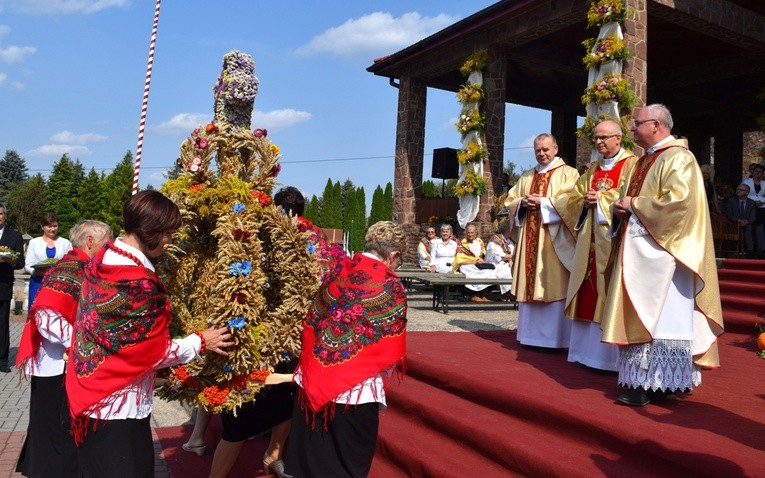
442 284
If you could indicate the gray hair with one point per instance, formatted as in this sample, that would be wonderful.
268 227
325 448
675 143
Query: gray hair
748 189
88 227
447 227
660 113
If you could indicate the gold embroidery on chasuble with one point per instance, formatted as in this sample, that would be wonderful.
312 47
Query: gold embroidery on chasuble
539 186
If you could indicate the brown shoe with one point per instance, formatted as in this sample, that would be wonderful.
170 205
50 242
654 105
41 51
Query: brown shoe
476 298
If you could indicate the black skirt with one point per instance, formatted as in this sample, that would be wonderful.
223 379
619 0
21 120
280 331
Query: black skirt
343 446
118 449
48 449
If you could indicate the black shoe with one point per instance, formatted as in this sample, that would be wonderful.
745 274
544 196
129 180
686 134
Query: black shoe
634 398
5 369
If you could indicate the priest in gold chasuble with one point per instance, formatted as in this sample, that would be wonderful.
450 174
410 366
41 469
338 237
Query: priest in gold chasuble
587 210
663 299
544 248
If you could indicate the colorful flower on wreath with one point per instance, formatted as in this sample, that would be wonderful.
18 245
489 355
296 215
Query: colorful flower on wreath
237 323
242 235
238 297
239 382
260 133
274 149
239 207
211 128
228 367
194 164
240 268
263 198
195 187
276 170
201 143
259 375
311 248
215 395
195 133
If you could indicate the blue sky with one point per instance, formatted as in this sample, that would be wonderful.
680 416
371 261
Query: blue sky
72 80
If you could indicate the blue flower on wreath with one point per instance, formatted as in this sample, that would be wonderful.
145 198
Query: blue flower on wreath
237 323
239 207
240 268
311 248
228 367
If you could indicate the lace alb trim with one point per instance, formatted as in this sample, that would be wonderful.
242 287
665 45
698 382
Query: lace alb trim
659 365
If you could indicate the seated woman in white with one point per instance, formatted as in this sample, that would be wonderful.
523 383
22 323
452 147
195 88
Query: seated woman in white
499 251
425 246
443 251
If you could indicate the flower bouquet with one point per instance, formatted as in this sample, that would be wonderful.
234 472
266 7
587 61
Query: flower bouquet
470 121
471 153
473 184
606 11
475 62
470 93
611 88
605 49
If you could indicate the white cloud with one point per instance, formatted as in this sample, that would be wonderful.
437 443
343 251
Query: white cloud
182 123
374 34
278 119
67 137
59 7
15 54
275 120
17 85
3 76
61 149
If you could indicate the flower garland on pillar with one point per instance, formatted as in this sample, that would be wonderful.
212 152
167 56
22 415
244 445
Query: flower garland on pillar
609 92
472 121
237 261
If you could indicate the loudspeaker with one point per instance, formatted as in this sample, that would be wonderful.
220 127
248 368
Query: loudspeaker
445 163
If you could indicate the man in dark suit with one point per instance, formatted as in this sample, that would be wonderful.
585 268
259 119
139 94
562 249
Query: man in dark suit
13 241
742 210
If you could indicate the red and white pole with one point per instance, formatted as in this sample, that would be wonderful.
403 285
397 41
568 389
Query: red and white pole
142 126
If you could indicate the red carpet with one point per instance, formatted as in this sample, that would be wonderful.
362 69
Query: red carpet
480 405
183 464
742 292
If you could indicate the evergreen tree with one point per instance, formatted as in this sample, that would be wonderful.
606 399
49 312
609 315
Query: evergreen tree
117 187
349 211
387 211
62 188
336 207
13 169
430 190
26 205
326 198
89 198
360 221
311 211
375 213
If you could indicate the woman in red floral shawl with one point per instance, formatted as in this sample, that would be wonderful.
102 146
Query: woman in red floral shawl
354 337
121 338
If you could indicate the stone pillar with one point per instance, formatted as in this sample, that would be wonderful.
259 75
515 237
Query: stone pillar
563 127
636 36
495 90
410 146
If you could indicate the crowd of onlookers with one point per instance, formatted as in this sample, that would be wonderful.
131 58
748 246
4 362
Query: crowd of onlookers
746 207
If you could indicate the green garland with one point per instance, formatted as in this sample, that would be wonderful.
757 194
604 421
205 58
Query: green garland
606 11
605 49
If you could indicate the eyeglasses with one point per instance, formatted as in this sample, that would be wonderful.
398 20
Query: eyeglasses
604 137
638 123
742 189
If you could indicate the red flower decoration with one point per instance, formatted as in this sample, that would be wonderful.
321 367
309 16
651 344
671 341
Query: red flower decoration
201 143
216 395
195 187
241 235
239 382
210 128
276 170
263 198
260 133
259 375
239 297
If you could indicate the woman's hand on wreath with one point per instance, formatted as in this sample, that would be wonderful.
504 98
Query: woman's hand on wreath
217 340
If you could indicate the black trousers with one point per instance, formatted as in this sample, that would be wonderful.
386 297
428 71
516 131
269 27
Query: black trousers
342 446
5 331
49 449
118 449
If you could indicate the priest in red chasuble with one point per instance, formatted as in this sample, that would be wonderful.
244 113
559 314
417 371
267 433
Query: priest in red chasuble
544 247
587 210
663 299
